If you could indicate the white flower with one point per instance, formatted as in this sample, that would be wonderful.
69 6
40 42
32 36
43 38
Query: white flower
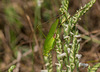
47 64
65 25
68 66
83 65
66 29
79 40
68 49
74 17
58 41
77 36
70 44
78 56
66 37
57 64
71 33
62 55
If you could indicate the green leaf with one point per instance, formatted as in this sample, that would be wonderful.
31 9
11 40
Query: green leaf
49 41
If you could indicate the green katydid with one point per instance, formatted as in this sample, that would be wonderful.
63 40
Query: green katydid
49 41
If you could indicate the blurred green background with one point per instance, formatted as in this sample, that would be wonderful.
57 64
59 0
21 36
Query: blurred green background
24 22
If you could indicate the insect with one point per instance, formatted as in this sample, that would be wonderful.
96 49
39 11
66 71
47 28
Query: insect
50 39
11 68
49 42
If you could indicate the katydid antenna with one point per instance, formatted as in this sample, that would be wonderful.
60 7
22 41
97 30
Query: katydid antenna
59 17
